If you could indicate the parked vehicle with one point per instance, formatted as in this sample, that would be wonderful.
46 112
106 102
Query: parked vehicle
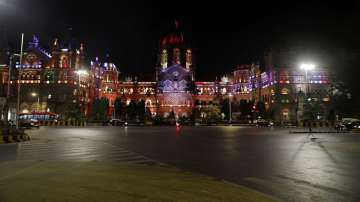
348 124
264 123
117 122
40 116
29 123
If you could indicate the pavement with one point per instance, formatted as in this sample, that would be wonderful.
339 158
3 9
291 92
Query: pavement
98 181
287 167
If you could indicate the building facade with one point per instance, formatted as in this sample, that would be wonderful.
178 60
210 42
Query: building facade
63 81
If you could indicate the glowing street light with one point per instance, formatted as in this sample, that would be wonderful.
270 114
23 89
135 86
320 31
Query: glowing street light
81 72
307 67
38 100
230 119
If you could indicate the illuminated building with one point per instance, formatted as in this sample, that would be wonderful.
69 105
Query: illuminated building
55 76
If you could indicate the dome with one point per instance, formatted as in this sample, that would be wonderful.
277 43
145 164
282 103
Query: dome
173 39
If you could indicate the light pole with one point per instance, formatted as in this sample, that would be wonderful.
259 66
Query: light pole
38 101
230 115
19 80
307 68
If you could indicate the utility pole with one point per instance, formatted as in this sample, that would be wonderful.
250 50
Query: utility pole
230 114
19 79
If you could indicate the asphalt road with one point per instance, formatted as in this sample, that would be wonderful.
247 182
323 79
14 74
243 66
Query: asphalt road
291 167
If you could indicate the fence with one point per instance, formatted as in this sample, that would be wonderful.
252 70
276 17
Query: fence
317 124
62 123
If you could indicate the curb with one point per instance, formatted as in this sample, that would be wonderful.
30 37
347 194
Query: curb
356 131
302 132
14 138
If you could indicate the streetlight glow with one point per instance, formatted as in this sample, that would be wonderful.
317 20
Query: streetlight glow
307 67
81 72
34 94
230 118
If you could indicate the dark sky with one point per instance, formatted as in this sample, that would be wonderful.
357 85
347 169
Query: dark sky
223 34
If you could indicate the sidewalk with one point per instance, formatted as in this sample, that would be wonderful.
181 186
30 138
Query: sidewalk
100 181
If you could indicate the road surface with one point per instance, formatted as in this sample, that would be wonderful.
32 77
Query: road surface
291 167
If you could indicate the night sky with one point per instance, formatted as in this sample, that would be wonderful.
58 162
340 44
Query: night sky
223 34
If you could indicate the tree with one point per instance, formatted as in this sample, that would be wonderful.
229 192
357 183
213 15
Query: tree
197 102
131 111
172 115
224 108
148 115
312 108
245 108
158 120
140 110
261 109
212 113
100 109
195 114
119 108
341 101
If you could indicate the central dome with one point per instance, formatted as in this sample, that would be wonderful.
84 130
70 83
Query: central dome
173 39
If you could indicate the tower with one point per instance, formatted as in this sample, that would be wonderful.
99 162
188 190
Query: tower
174 74
109 83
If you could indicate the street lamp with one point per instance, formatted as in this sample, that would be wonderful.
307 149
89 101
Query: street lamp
19 80
38 100
230 119
306 68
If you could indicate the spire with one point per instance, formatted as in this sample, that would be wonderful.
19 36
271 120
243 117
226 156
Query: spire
56 44
34 43
81 47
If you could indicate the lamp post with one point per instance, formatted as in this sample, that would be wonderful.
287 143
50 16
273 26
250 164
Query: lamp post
19 80
307 68
38 101
230 115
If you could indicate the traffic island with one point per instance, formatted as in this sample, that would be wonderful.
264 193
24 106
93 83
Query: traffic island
100 181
